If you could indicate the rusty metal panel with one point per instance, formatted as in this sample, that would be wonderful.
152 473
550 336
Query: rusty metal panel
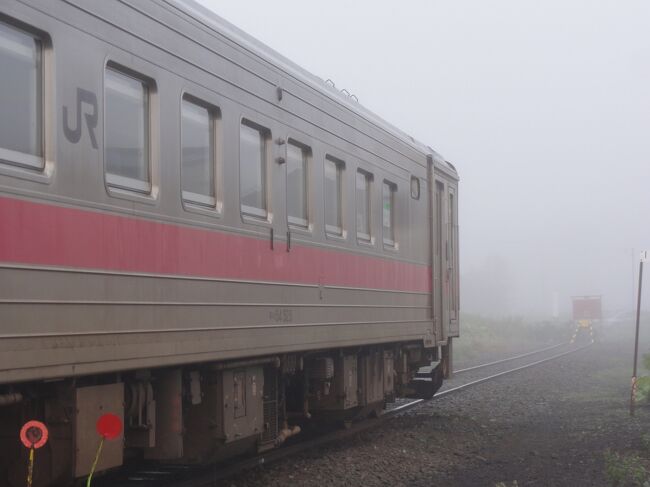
349 381
371 378
169 416
91 403
239 394
343 391
242 404
389 373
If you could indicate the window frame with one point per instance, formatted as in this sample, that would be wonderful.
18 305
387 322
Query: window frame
248 213
389 243
332 231
362 237
122 185
27 163
195 201
415 194
297 223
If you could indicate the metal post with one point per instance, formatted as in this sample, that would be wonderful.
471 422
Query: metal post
633 278
644 256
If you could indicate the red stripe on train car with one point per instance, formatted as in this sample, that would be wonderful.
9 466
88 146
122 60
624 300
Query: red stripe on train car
45 234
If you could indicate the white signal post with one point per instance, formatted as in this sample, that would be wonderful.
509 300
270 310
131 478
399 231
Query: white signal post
644 258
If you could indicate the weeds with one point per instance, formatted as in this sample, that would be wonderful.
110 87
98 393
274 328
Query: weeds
482 335
625 470
645 441
643 382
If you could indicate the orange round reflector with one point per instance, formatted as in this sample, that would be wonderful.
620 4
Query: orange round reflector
33 434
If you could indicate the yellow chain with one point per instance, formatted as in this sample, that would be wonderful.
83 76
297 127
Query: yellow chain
30 467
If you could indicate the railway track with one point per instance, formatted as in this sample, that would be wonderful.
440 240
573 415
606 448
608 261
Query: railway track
205 476
510 359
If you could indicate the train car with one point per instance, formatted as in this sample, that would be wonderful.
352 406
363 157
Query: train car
587 313
203 239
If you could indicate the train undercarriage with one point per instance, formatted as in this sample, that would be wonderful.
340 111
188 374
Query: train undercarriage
202 413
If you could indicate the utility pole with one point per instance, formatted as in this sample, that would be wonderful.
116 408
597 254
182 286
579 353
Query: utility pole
633 277
644 258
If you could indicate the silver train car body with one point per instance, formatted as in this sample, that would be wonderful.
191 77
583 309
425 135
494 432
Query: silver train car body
308 269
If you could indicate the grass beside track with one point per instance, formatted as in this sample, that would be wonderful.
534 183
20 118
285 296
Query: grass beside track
483 339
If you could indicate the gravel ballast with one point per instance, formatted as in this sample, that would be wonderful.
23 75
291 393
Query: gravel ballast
548 425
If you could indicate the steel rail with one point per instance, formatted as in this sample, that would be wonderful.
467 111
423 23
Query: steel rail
515 357
506 372
407 406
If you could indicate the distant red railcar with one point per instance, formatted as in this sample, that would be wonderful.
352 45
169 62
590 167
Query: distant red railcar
587 308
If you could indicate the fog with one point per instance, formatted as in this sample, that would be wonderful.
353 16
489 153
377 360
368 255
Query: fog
544 108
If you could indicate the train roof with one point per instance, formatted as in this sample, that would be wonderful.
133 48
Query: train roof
221 26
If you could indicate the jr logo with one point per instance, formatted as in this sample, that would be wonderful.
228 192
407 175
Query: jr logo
74 135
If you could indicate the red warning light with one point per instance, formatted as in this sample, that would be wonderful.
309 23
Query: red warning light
109 426
33 434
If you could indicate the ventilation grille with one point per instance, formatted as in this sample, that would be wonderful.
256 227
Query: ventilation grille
270 405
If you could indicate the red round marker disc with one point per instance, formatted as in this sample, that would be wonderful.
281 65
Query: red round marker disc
33 434
109 426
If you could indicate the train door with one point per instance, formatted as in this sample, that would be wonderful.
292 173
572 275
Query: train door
445 265
439 261
452 261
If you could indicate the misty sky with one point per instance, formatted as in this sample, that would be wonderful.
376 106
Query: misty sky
543 106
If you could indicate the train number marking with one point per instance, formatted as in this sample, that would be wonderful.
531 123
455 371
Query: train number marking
74 135
281 315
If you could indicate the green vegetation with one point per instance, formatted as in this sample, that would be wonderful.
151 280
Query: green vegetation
625 470
643 382
645 441
481 336
643 389
630 469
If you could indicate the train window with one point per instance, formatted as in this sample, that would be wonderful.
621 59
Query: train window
126 131
252 170
198 156
388 213
415 188
363 182
21 137
297 187
334 196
